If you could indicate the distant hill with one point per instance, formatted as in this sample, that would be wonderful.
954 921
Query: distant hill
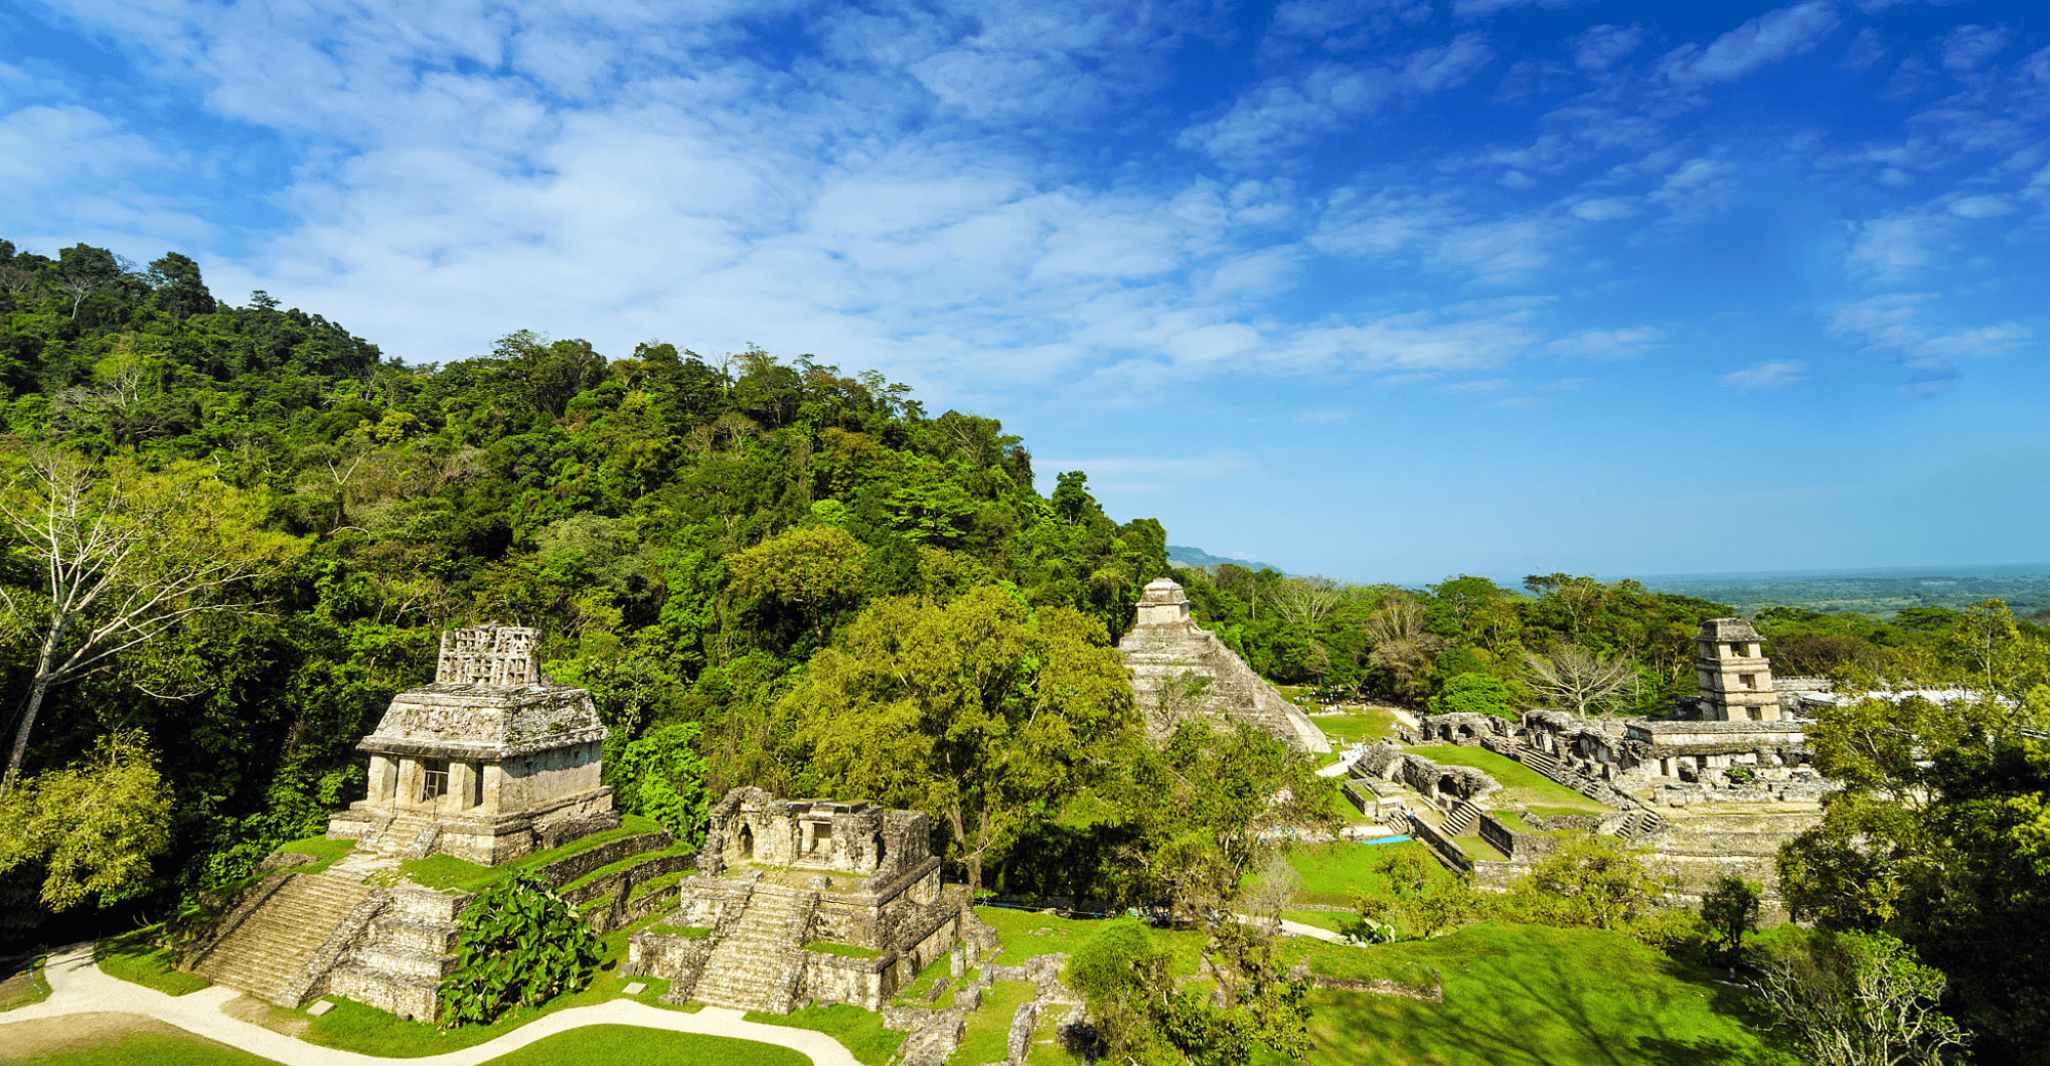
1183 556
1882 591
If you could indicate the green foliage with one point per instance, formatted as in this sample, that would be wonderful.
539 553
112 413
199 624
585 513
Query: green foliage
518 944
1854 999
94 827
1417 896
1730 910
662 776
1474 693
1593 881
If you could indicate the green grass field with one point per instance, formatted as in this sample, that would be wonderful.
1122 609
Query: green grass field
1333 873
989 1029
1345 730
860 1030
613 1045
323 850
132 957
1524 995
1520 783
22 982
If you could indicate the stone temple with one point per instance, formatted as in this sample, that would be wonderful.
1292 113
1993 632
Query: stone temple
805 900
1180 668
488 763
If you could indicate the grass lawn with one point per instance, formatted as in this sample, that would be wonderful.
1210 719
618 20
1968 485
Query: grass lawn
1332 873
22 983
845 951
131 957
1336 921
1345 730
1523 995
989 1029
1029 933
861 1030
614 1045
323 850
919 992
461 875
627 1045
1520 783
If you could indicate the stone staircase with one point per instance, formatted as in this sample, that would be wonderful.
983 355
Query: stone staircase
1639 824
757 965
280 945
1460 819
406 834
399 961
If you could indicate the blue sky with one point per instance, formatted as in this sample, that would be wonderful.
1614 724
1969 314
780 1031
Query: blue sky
1385 289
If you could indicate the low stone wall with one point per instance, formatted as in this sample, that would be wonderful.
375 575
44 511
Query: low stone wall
680 960
830 979
616 888
1520 847
1440 843
558 874
1381 986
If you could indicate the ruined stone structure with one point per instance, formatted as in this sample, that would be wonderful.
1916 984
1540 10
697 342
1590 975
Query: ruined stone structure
1180 668
1733 676
797 901
488 763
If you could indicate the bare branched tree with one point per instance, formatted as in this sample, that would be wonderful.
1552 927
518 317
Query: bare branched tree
1578 679
1860 1000
123 555
1401 643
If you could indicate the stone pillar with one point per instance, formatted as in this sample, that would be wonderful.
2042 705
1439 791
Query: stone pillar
411 776
494 785
383 781
462 782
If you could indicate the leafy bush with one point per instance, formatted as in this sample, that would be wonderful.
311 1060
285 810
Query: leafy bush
518 945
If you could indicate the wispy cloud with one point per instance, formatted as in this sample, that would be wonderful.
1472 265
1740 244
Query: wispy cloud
1894 325
1777 375
1769 38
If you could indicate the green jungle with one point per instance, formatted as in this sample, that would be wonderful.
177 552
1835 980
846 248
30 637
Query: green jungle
234 533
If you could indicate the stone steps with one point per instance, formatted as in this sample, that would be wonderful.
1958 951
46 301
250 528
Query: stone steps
398 963
757 965
269 953
1461 819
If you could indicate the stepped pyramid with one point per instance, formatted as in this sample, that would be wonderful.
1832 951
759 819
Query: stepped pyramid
1166 648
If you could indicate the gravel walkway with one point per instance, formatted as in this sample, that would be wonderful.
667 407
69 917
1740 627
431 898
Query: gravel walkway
77 986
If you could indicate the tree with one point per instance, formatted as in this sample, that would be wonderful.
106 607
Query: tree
976 711
1474 693
1578 679
1143 1014
1730 910
1216 806
1593 881
809 569
1853 999
1419 895
124 556
95 826
1402 645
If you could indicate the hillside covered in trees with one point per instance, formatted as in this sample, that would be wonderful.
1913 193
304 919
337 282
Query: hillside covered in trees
688 531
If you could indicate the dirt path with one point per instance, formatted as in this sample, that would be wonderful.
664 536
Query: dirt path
83 998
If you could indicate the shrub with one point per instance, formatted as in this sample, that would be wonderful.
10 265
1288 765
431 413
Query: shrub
517 945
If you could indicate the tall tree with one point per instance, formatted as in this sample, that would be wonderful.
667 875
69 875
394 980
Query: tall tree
1578 679
977 711
123 555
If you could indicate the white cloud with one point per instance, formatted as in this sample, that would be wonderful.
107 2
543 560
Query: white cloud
1765 376
1609 343
1600 47
1769 38
1474 9
1283 114
1966 47
1893 326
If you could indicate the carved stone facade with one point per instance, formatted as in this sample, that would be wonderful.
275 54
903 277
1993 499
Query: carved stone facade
804 900
488 763
1180 668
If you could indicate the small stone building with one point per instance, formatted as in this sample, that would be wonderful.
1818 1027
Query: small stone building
807 900
488 763
1180 668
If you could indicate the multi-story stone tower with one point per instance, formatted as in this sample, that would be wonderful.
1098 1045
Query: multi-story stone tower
1734 676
